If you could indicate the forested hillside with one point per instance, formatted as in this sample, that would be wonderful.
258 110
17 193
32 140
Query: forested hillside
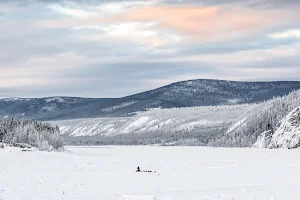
38 134
177 95
264 117
182 126
221 126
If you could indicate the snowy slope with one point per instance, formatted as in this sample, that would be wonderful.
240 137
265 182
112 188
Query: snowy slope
182 173
286 136
257 125
156 120
230 126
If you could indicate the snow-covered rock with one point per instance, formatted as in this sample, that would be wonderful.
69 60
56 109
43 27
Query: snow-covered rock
286 136
2 145
263 140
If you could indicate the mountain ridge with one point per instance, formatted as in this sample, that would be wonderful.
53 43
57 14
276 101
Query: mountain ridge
190 93
160 87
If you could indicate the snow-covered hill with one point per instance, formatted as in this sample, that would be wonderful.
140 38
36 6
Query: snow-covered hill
286 136
166 120
230 126
179 112
259 123
158 125
177 95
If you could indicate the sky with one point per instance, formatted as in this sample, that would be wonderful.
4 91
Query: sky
114 48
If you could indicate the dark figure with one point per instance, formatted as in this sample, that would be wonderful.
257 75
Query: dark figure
138 169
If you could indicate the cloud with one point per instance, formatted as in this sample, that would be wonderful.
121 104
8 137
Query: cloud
71 11
116 3
141 33
239 57
116 48
41 67
294 33
121 6
206 24
203 23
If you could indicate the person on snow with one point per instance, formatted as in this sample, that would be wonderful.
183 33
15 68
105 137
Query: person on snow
138 169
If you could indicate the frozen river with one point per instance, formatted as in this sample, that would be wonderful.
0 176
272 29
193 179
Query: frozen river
108 173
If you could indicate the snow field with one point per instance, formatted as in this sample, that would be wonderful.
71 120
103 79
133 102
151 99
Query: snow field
108 173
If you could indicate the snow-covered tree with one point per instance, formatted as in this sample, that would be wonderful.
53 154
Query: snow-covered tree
38 134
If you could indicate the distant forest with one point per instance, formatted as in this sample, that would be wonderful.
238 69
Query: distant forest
242 133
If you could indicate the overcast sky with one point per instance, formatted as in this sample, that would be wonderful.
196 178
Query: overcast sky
113 48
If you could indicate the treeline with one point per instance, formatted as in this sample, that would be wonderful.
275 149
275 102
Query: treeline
182 138
41 135
264 117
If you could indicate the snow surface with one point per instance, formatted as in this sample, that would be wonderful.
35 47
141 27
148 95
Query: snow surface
49 107
187 173
122 105
55 99
237 125
12 99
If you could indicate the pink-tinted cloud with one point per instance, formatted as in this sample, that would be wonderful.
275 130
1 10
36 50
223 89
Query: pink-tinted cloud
202 23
